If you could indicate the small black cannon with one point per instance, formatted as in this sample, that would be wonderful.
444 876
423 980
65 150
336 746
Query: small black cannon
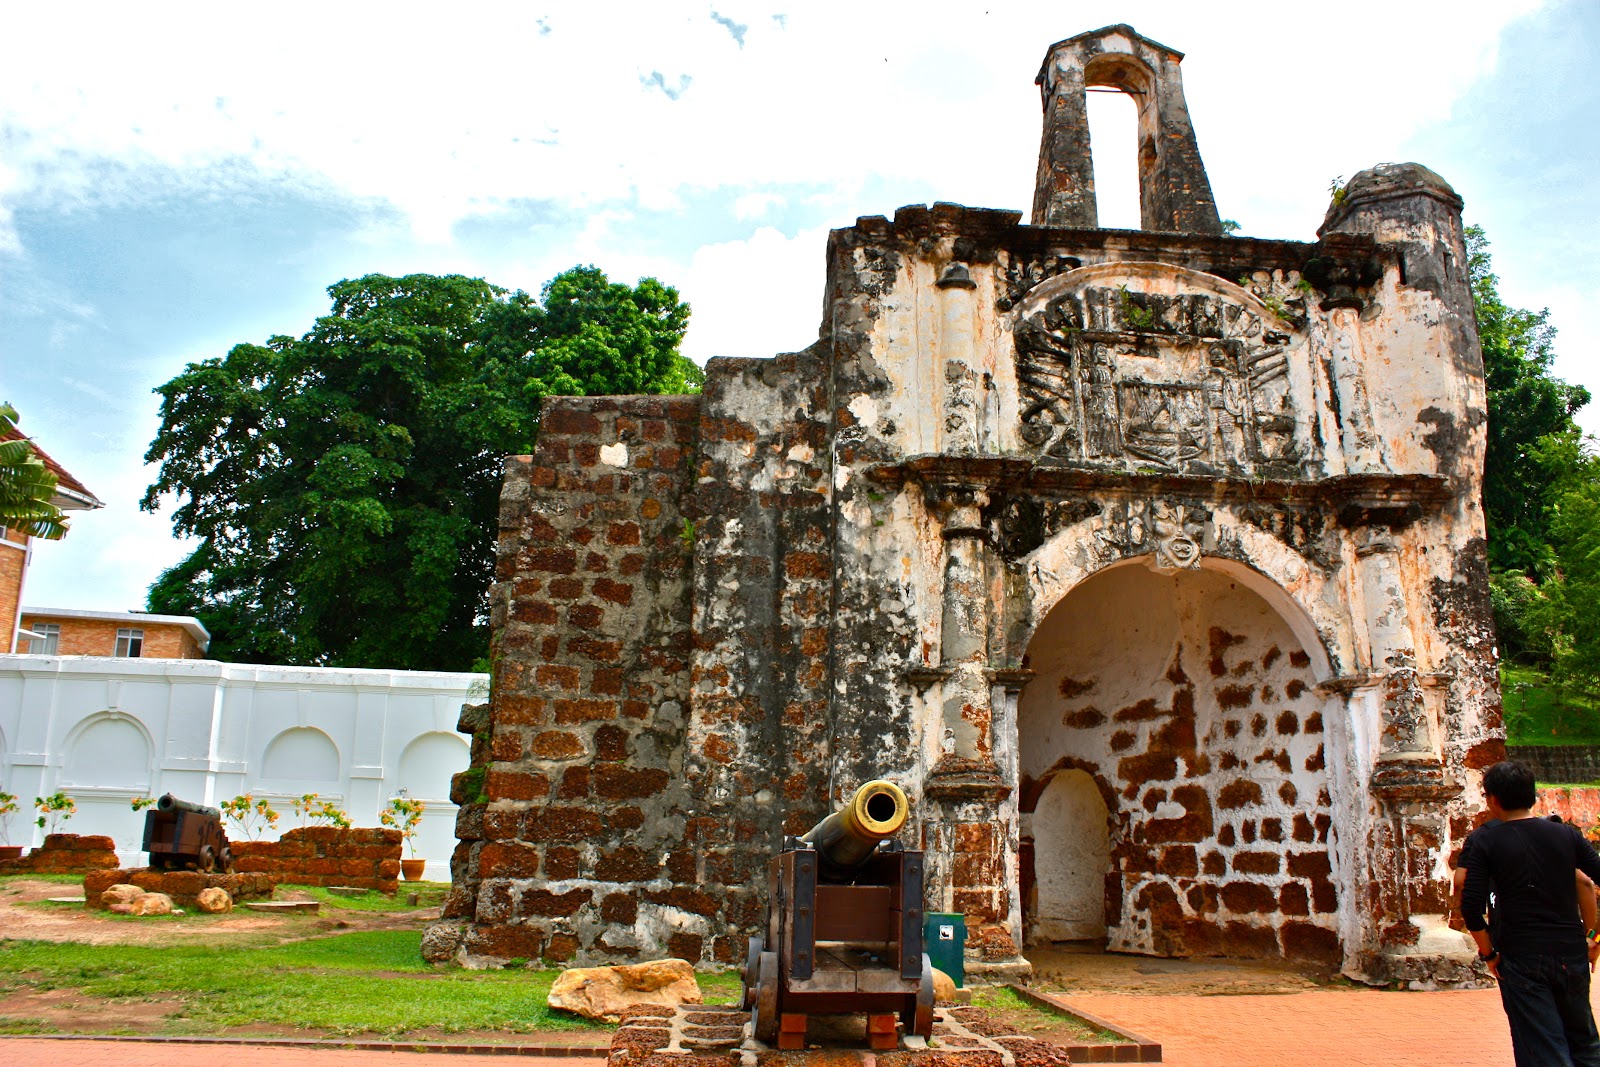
844 928
178 834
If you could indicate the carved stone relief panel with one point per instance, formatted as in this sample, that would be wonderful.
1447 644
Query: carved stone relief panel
1142 365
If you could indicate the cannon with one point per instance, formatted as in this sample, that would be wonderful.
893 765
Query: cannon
844 928
178 834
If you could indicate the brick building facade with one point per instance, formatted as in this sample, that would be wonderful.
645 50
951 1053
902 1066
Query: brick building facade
16 547
1150 563
128 634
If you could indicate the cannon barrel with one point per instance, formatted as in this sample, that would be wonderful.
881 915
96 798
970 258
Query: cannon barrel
168 802
849 836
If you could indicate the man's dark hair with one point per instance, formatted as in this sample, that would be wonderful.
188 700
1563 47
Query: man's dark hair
1511 783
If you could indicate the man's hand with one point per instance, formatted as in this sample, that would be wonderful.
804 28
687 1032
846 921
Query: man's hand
1493 966
1594 953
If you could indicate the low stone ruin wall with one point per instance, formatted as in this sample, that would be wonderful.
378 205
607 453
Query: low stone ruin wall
182 886
1579 805
65 854
1559 763
324 855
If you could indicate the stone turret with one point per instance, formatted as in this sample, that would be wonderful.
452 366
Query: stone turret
1174 194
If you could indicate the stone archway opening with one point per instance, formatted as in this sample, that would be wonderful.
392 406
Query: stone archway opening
1185 703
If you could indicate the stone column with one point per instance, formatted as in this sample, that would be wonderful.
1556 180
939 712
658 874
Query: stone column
1409 781
969 826
957 354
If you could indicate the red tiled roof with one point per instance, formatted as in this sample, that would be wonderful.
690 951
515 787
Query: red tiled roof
64 478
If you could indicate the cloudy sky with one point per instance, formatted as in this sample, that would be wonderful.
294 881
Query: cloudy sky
177 179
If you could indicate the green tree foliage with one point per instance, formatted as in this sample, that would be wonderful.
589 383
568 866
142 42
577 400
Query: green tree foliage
27 486
344 485
1527 405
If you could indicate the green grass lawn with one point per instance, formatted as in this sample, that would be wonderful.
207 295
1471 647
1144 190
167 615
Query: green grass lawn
1539 714
371 983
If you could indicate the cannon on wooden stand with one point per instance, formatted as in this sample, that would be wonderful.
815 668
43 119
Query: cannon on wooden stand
844 928
178 834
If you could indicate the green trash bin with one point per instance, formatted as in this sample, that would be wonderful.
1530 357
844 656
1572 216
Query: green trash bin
944 939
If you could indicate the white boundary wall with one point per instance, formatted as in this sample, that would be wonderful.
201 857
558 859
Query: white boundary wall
105 730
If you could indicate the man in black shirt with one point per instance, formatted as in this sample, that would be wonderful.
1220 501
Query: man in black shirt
1538 951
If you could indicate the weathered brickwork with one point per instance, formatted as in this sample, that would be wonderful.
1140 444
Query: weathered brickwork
573 825
183 887
368 858
65 854
13 565
1559 763
1150 564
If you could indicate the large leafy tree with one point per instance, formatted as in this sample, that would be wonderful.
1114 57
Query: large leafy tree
344 485
27 486
1528 405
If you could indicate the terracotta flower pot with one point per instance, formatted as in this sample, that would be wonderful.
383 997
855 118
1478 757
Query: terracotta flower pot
412 869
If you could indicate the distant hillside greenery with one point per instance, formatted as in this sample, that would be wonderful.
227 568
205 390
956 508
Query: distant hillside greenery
1541 498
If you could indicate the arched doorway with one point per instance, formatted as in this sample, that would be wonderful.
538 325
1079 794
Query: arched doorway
1188 703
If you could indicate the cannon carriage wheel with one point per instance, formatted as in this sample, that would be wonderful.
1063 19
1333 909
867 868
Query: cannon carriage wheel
765 1015
225 860
207 860
918 1018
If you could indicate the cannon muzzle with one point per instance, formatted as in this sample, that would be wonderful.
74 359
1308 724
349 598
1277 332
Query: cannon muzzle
852 834
168 802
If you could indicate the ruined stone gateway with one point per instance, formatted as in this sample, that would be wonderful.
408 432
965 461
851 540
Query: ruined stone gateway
1151 564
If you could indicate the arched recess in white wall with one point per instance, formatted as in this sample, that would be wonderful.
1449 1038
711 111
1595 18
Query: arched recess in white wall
108 752
302 755
107 762
428 762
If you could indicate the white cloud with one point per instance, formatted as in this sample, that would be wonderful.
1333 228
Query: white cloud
756 205
445 117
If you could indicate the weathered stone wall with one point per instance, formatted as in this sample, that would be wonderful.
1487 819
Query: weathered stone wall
572 826
1194 516
65 854
182 886
326 855
1559 763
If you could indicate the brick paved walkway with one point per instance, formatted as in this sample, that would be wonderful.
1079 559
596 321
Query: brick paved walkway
1351 1028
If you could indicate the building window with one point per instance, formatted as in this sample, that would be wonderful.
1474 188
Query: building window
129 642
46 638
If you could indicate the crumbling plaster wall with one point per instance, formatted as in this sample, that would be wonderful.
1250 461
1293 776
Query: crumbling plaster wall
845 555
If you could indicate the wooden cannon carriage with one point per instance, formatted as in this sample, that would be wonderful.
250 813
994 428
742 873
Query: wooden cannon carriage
844 928
178 834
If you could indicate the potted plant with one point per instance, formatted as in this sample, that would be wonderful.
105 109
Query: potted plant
404 814
8 808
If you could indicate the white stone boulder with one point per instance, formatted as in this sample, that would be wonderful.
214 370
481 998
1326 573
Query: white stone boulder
605 992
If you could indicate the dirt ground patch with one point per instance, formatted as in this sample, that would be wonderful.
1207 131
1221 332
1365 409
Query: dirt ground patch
24 918
1074 970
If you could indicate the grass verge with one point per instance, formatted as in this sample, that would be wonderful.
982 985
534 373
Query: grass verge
369 983
1026 1016
429 895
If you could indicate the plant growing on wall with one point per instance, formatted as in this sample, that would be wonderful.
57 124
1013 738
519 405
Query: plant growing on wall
54 810
8 808
303 806
404 814
253 817
329 813
140 803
